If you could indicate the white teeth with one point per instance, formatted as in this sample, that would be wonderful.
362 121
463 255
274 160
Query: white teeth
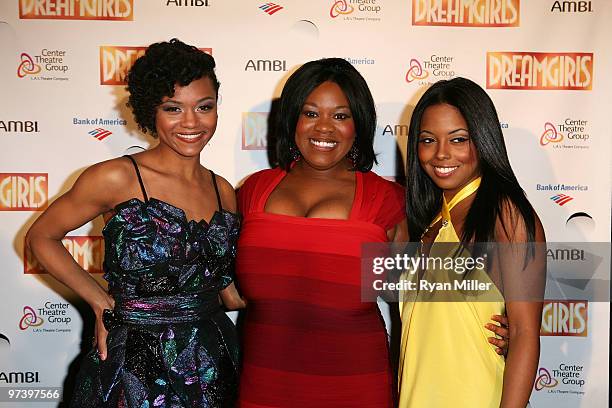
445 170
189 137
321 143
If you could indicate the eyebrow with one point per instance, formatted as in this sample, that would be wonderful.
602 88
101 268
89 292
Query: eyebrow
450 133
206 98
316 106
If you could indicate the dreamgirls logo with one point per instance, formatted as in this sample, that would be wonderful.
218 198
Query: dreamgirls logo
119 10
27 66
364 10
87 251
116 61
23 191
430 70
466 13
565 318
539 70
254 130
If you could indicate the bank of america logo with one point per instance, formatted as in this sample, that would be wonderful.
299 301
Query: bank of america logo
100 133
561 199
270 8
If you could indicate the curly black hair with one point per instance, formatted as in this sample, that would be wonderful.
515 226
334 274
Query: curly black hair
154 75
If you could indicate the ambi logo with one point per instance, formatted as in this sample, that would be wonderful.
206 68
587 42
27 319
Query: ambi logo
572 7
266 65
19 126
187 3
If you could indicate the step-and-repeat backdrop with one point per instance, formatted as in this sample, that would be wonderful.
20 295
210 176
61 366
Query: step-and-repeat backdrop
546 65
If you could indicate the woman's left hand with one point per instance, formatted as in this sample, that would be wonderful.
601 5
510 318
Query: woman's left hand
501 330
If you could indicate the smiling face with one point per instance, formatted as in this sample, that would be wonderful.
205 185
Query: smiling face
325 130
187 121
445 150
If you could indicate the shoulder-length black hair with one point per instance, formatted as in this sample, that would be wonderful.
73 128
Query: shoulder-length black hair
154 75
302 82
499 189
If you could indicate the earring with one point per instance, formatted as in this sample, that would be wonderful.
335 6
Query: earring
295 153
353 154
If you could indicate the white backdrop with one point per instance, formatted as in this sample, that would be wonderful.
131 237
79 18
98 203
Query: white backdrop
546 65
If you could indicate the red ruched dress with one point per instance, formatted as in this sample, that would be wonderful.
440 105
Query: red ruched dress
308 339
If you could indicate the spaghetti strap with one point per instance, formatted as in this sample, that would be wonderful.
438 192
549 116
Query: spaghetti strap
214 179
142 187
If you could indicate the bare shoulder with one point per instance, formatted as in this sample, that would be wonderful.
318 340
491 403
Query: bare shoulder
227 192
511 226
106 182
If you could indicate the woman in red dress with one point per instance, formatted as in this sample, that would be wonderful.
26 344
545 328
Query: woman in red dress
309 339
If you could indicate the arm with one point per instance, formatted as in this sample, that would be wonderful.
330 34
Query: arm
523 290
229 296
85 201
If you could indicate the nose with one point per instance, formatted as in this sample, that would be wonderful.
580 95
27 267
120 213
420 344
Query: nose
442 151
189 119
324 124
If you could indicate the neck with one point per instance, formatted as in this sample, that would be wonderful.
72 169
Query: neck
341 170
173 163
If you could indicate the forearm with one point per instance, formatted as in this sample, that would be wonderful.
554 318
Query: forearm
231 299
520 371
54 257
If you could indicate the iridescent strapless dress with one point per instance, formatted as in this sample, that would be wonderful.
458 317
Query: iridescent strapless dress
170 344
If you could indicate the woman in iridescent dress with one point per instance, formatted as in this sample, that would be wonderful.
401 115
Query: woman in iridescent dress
162 336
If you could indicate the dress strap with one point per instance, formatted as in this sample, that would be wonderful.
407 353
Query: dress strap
214 179
465 192
142 187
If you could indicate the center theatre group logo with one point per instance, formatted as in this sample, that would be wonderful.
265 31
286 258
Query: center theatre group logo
466 13
539 70
87 251
23 191
29 319
565 318
120 10
254 130
545 380
27 66
366 8
116 61
436 67
550 135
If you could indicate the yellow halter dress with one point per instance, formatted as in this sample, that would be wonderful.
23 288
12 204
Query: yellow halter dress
445 358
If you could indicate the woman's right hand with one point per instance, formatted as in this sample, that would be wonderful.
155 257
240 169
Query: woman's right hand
107 303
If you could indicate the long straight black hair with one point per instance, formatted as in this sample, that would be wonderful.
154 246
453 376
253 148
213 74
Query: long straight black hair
499 188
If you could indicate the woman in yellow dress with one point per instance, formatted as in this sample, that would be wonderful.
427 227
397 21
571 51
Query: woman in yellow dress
462 191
